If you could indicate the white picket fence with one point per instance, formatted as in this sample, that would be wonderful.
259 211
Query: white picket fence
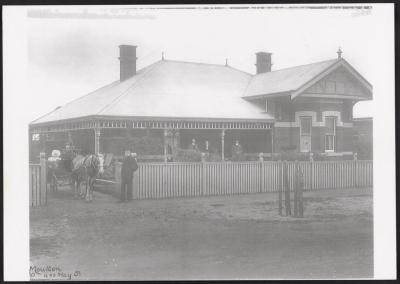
166 180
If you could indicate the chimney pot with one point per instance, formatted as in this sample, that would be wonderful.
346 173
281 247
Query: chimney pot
127 58
263 62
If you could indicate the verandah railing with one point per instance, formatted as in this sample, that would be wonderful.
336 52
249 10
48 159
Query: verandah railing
165 180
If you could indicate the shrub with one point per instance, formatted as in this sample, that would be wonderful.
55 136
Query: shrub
187 155
147 145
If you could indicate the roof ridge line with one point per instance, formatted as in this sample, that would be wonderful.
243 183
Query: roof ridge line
192 62
212 64
124 93
295 66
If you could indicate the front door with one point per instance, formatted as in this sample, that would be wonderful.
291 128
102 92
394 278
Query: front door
305 133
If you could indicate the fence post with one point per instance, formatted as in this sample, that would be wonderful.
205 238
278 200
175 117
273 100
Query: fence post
43 179
280 186
262 184
203 174
287 190
296 185
300 194
355 179
118 181
311 170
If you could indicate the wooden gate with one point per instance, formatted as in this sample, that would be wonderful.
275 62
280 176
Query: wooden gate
37 184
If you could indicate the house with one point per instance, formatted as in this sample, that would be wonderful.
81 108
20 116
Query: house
164 106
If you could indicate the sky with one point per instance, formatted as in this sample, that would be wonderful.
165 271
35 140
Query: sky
73 51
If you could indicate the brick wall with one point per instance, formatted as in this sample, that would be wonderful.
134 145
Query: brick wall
290 136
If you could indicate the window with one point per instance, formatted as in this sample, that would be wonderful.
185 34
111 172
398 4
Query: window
330 122
305 133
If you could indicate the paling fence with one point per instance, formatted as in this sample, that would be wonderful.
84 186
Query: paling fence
165 180
37 184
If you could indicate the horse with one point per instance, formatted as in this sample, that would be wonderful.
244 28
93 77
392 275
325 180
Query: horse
86 168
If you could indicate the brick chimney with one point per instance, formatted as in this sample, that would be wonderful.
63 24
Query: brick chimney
264 63
127 58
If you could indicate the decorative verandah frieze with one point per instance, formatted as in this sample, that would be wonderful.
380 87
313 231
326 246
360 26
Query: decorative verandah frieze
149 124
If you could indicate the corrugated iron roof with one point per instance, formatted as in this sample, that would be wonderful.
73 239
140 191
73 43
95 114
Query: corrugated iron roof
285 80
176 89
169 89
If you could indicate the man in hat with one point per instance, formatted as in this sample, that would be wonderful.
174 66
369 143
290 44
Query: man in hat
67 157
129 166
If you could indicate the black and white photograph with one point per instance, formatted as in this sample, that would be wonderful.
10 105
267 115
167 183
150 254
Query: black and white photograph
200 142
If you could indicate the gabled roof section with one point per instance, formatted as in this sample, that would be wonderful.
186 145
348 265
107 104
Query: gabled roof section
171 89
339 63
293 81
286 80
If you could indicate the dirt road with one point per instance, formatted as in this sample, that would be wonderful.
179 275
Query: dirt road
202 238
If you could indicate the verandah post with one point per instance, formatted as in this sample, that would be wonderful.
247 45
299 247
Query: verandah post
262 183
223 144
165 145
311 170
96 140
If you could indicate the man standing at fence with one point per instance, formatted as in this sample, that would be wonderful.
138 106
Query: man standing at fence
129 166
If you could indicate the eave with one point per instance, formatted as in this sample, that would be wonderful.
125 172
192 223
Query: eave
93 122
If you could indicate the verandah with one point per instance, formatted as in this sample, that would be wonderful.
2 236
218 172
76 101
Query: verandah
156 141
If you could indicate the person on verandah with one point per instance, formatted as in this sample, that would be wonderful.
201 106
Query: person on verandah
193 146
129 166
237 150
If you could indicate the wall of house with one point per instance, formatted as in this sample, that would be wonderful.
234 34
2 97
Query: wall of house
287 125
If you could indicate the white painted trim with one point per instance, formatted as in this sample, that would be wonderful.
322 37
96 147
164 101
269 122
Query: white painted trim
333 96
336 153
315 123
